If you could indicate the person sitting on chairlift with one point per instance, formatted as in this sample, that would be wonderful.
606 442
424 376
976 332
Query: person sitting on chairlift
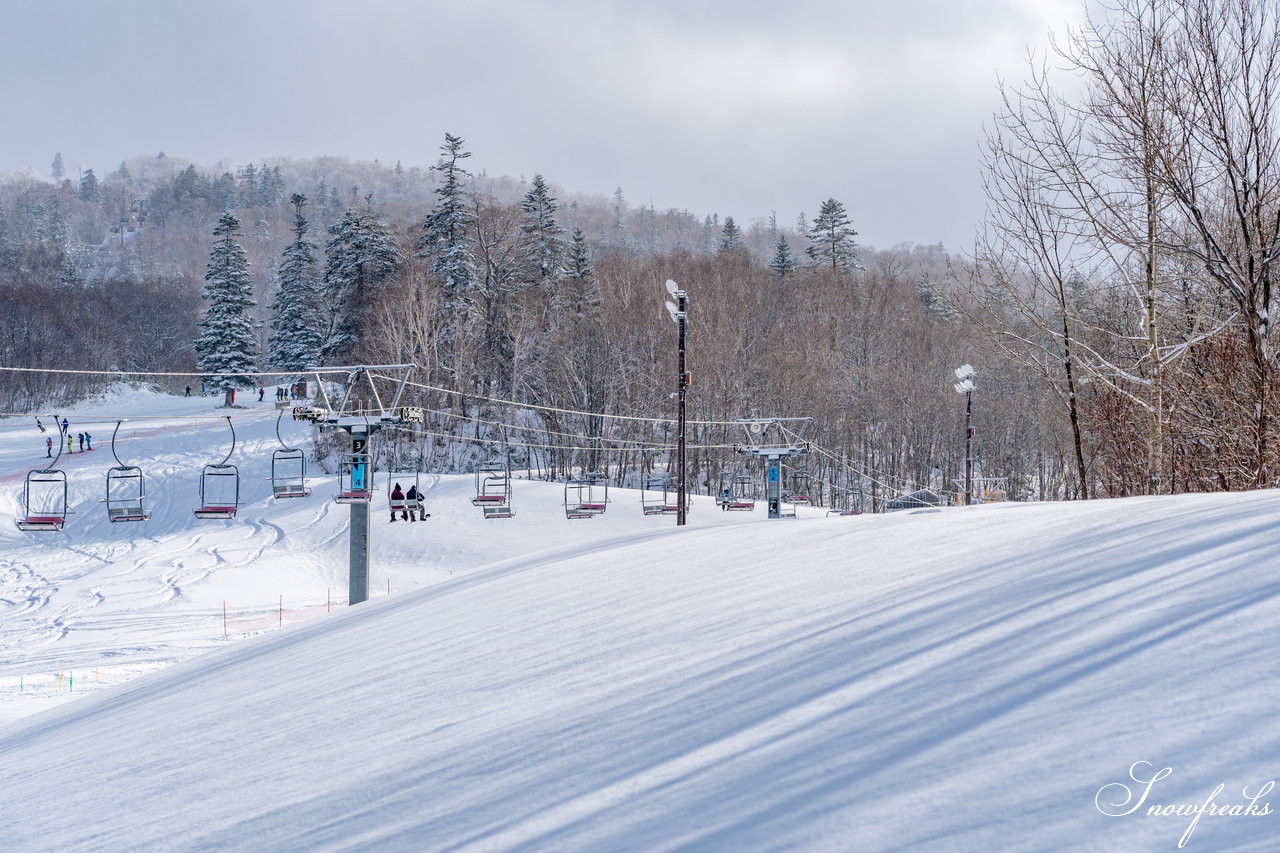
398 496
411 502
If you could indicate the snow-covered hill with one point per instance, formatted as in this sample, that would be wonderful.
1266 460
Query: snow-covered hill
964 679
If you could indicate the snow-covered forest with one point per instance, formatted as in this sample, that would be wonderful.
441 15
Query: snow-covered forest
1116 302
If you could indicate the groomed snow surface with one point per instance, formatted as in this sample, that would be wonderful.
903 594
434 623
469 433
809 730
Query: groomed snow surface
970 679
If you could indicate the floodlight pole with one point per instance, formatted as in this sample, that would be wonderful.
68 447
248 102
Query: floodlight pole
968 447
680 315
965 386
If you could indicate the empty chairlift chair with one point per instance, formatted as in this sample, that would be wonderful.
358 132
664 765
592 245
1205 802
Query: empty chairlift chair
355 481
44 500
800 489
288 469
493 490
587 496
220 486
126 489
660 496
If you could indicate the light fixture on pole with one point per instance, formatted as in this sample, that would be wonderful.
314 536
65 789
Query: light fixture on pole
679 312
965 386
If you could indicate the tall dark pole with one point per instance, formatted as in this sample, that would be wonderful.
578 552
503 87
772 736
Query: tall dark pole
968 447
682 489
965 374
679 311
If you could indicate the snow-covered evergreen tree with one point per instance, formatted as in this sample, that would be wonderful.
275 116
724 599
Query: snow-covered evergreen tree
832 236
935 299
447 239
783 263
618 233
228 343
295 312
707 236
58 170
730 236
359 256
446 233
542 247
580 289
89 189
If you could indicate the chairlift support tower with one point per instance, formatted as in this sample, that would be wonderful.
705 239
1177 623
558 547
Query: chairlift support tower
773 440
360 422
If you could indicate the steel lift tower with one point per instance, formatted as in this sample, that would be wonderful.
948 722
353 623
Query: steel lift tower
774 439
359 410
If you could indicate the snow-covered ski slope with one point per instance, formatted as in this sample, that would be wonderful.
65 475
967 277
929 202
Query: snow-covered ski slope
966 679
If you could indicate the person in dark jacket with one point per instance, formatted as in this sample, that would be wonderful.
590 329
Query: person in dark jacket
397 499
411 503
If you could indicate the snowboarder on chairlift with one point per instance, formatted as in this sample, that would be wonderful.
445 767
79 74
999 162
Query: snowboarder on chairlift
411 503
397 495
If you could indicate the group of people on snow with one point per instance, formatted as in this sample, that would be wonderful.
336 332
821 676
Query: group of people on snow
85 439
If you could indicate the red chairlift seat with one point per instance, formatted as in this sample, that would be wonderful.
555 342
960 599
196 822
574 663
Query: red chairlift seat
40 522
215 512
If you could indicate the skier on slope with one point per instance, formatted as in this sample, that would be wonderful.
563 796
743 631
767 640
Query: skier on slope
397 497
48 446
88 441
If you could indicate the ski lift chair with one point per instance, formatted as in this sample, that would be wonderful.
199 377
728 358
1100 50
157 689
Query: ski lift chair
356 481
801 491
220 486
738 493
288 469
661 497
493 490
219 491
493 485
404 503
587 496
44 500
125 491
288 474
125 488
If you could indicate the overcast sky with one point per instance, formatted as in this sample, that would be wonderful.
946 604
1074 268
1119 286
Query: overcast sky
736 107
